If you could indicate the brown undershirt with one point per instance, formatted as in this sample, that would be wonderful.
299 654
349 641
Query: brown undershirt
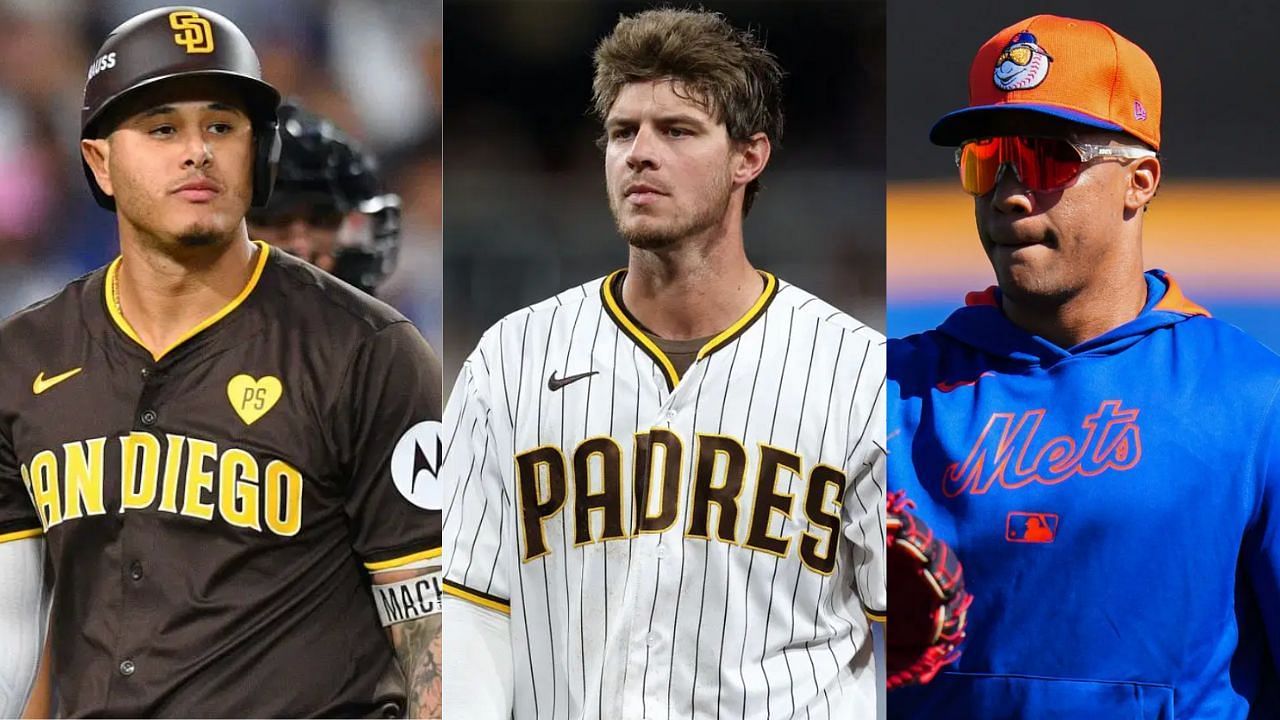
681 353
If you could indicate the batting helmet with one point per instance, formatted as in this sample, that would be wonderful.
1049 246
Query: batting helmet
323 168
180 42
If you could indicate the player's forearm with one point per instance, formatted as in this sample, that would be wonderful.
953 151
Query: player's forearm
480 682
417 641
418 645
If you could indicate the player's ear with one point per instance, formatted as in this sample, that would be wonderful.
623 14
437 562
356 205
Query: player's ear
97 153
1144 180
751 157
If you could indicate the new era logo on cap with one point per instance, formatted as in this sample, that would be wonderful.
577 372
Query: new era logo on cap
1078 70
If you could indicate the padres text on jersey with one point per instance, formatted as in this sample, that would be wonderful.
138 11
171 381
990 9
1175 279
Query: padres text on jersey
673 546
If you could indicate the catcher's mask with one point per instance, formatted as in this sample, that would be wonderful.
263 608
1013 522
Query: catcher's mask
324 172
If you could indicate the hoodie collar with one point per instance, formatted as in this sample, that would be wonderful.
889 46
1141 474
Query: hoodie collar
982 324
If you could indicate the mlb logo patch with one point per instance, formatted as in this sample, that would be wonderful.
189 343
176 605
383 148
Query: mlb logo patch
1031 527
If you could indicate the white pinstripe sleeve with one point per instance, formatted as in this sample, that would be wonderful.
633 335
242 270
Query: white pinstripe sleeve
864 501
477 510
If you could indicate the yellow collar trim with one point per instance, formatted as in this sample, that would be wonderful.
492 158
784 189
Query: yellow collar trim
770 289
624 321
113 305
635 333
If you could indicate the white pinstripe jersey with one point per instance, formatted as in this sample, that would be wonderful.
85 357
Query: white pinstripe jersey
702 546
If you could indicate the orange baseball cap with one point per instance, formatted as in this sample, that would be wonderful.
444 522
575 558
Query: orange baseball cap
1078 70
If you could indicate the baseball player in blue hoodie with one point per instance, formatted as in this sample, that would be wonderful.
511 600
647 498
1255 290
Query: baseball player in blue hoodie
1101 453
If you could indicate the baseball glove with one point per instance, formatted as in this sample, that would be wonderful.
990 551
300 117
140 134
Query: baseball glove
927 599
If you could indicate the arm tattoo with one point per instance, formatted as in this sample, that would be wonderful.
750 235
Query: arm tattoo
418 645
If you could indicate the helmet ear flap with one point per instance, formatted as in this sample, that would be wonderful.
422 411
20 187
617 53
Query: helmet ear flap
105 201
266 159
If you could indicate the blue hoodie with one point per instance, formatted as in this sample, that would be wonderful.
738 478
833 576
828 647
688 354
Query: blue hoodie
1115 506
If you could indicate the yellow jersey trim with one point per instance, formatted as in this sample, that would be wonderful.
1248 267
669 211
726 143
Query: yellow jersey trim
461 592
875 617
403 560
624 321
635 333
21 535
113 305
736 329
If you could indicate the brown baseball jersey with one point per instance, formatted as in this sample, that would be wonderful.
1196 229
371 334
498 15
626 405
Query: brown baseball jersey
212 514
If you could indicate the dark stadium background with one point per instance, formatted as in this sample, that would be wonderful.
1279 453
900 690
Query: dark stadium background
527 214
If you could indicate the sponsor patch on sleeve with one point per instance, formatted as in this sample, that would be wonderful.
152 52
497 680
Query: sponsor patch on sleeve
415 465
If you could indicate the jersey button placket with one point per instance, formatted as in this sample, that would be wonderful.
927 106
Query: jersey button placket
134 542
147 415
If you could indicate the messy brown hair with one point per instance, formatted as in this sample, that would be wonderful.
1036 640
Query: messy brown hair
726 71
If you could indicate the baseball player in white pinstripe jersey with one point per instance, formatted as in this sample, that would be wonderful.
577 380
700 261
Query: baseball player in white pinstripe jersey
665 487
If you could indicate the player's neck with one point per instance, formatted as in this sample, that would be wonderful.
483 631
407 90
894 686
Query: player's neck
694 290
163 293
1093 311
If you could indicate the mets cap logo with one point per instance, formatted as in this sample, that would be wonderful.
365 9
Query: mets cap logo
1022 64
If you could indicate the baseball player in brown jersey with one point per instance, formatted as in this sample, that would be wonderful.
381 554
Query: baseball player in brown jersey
223 448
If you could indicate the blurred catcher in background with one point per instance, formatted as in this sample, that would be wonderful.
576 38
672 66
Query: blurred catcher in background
329 205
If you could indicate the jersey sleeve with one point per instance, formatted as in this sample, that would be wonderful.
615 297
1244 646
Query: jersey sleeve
864 499
1262 539
18 518
477 508
387 433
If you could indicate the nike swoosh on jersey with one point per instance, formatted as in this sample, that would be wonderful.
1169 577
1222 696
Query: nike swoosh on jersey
554 383
42 383
948 387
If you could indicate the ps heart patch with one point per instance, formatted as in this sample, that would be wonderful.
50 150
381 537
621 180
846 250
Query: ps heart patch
251 399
